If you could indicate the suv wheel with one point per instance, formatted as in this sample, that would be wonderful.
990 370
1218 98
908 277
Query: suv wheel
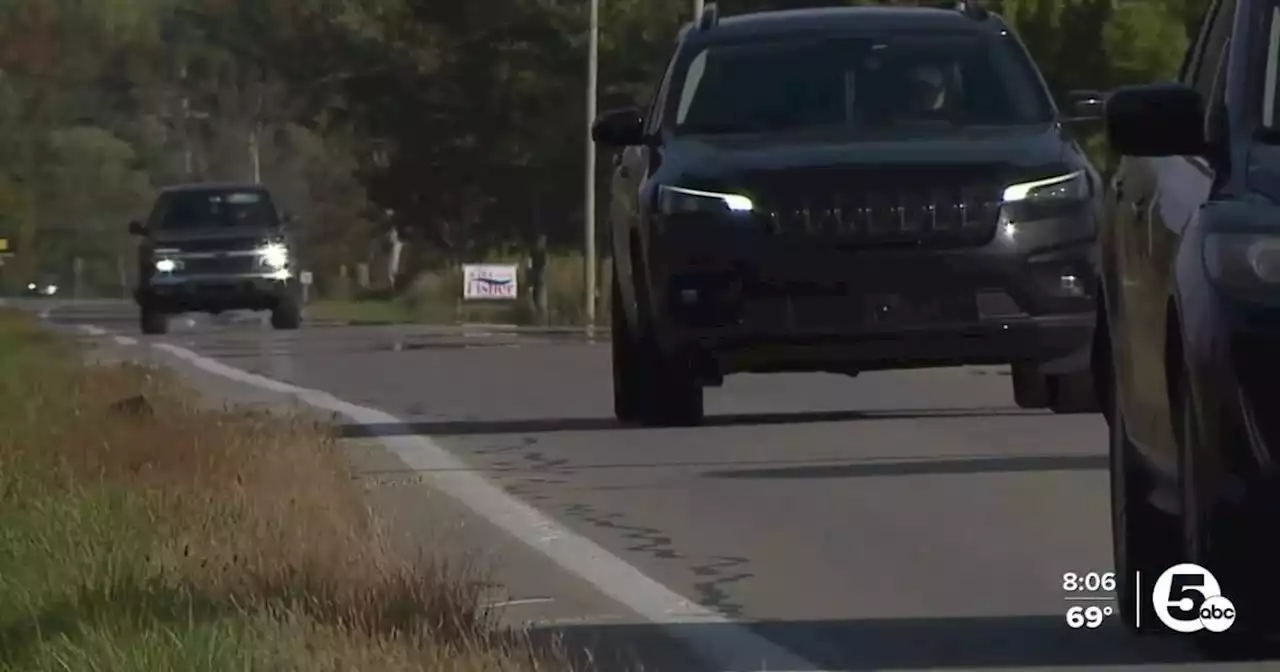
1143 538
628 377
152 321
676 393
287 314
654 388
1030 387
1073 393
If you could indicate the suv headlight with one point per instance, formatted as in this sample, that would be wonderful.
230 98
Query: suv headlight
1245 262
274 255
1071 186
675 200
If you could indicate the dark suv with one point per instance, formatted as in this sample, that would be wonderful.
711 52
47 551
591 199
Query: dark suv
214 247
848 189
1191 303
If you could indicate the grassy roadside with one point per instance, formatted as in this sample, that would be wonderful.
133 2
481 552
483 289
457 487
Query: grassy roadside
141 531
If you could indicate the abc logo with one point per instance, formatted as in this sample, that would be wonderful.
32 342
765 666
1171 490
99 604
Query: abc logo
1187 598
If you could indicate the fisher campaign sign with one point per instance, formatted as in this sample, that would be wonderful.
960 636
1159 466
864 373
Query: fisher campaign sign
490 281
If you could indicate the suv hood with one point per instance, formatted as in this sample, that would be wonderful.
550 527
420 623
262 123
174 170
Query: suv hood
1014 150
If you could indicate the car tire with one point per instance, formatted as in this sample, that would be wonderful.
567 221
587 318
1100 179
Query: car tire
628 377
1030 387
1073 393
1144 539
287 315
152 322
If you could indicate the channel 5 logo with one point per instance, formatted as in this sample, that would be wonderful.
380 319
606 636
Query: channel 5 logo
1187 598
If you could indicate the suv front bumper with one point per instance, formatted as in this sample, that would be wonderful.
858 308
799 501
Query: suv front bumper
759 303
215 293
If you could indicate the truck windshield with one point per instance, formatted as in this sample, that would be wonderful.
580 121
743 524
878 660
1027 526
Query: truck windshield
893 80
211 209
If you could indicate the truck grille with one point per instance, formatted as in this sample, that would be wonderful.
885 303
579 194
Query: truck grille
220 265
880 207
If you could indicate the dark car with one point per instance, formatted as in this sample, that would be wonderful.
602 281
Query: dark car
1190 255
843 190
212 248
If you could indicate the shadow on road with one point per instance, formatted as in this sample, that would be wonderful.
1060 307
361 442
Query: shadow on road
546 425
971 465
896 644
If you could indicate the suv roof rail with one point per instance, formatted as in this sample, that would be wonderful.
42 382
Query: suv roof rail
710 16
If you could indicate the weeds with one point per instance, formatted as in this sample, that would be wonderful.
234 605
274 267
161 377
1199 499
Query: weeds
141 531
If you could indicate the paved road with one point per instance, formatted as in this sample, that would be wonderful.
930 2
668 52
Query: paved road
899 520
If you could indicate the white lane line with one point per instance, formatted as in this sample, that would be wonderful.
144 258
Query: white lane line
126 340
93 330
731 646
518 602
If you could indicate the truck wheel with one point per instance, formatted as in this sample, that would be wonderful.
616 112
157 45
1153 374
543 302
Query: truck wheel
1030 387
286 315
629 380
1073 393
152 321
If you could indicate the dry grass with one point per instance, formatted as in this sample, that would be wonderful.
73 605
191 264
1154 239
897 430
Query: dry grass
141 531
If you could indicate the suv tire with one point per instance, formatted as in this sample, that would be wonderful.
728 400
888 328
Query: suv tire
1073 393
1030 387
1143 538
152 322
628 377
287 314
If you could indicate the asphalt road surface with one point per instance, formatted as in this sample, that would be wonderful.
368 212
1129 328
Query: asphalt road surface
897 520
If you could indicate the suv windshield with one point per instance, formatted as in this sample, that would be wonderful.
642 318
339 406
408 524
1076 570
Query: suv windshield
888 81
221 208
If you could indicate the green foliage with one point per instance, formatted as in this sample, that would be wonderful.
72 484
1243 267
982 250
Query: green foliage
464 120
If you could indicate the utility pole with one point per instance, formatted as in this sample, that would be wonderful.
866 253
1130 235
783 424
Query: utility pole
589 206
255 156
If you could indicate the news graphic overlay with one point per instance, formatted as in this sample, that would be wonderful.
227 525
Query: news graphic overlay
1090 598
1187 599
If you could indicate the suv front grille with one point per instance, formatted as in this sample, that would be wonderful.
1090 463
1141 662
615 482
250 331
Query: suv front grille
876 207
218 245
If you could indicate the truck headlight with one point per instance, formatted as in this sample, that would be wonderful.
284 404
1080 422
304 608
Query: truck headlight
1071 186
676 200
1244 262
274 255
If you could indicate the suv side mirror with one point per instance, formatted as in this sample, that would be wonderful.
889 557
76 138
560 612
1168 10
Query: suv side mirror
137 228
1087 105
623 127
1156 120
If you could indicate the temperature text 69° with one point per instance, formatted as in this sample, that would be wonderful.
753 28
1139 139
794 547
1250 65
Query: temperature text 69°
1087 617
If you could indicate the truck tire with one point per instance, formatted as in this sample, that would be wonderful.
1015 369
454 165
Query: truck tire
1030 387
287 314
152 322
